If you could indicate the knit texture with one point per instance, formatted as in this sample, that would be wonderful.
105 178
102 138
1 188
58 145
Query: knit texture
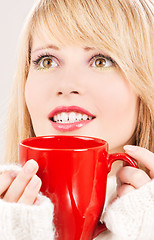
131 217
8 167
25 222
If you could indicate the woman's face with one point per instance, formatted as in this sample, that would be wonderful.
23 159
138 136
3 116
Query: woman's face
72 90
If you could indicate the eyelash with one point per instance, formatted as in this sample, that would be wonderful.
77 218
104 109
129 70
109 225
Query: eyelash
92 59
95 56
40 57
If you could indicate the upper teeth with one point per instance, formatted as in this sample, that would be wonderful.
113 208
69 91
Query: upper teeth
70 117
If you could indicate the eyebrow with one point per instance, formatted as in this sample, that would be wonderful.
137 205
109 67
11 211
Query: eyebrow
57 48
46 47
88 48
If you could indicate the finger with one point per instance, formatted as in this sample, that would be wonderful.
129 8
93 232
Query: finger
31 191
133 176
17 187
142 155
124 189
6 178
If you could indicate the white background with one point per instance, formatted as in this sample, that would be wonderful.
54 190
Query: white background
12 15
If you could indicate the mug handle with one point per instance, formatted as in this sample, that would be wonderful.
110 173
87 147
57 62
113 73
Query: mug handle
111 159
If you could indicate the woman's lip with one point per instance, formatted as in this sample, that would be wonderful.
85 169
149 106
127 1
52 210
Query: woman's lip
64 127
61 109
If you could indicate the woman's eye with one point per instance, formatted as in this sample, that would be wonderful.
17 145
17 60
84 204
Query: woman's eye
102 62
47 63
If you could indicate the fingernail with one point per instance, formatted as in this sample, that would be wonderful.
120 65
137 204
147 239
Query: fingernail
34 182
130 148
30 166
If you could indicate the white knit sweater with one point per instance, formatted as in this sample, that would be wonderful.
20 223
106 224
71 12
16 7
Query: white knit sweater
130 217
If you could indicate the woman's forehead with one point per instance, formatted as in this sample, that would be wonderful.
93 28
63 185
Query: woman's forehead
42 39
46 40
44 44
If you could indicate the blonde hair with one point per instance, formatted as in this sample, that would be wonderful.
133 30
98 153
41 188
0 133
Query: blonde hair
123 28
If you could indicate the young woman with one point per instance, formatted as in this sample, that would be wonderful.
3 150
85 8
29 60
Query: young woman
91 62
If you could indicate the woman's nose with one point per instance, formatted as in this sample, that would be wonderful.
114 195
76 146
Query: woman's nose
69 84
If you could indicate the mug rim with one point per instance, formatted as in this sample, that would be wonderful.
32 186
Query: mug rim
25 142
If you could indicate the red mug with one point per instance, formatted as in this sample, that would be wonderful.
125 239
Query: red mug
73 170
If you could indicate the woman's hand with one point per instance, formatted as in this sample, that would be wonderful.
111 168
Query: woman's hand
132 178
22 187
